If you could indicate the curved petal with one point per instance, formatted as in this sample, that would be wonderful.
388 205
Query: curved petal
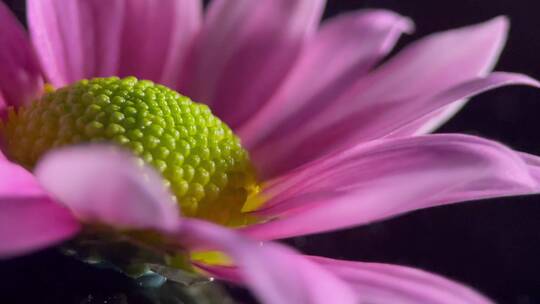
393 119
20 78
244 51
534 164
423 70
386 178
382 283
343 51
275 273
29 219
437 62
416 121
101 184
84 39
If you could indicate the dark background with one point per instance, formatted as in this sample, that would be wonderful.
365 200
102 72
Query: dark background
492 245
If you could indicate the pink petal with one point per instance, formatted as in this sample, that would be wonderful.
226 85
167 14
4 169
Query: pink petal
423 70
434 63
343 50
20 77
382 283
3 107
534 164
385 119
224 273
15 181
386 178
101 184
84 39
420 121
499 31
437 62
244 51
275 273
156 38
29 220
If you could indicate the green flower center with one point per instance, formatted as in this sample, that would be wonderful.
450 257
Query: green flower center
200 158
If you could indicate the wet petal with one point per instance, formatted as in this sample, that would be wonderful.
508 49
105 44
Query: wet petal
342 51
383 283
20 78
101 184
244 51
385 178
29 219
84 39
273 272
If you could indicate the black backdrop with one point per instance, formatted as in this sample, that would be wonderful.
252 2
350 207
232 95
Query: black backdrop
493 245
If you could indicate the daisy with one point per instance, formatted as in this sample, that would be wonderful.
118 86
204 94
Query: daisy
301 130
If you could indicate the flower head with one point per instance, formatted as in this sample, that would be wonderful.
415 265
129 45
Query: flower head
200 158
300 134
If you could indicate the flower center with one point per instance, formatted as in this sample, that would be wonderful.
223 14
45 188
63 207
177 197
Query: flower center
200 158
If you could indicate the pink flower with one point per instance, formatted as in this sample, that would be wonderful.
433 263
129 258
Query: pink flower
337 140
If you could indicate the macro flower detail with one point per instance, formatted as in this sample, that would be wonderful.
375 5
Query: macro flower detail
302 131
201 159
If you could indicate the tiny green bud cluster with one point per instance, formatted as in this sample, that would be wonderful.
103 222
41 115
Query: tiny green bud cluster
200 158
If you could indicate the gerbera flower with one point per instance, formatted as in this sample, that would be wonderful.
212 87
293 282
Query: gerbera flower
328 140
